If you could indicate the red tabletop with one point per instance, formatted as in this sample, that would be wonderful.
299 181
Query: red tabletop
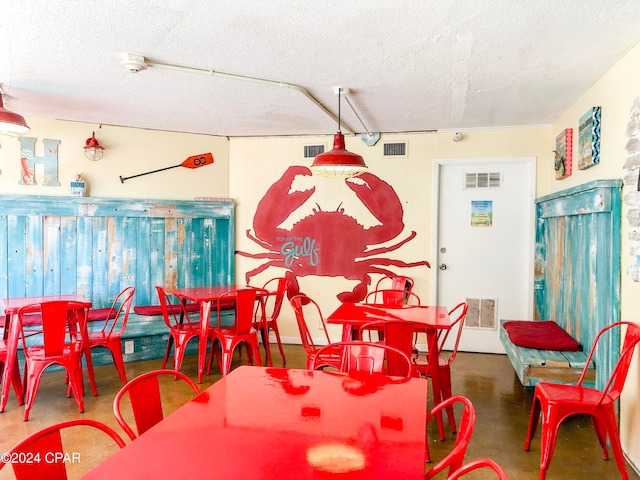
202 294
277 423
10 307
357 314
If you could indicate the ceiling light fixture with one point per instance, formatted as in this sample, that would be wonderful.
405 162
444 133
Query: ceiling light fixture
92 149
338 162
11 123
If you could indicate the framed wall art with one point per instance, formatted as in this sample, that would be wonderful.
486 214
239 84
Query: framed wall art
564 154
589 139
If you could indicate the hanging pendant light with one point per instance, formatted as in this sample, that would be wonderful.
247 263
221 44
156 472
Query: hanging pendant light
11 123
92 149
338 162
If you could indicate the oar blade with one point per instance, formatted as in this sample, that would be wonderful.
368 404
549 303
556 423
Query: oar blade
197 161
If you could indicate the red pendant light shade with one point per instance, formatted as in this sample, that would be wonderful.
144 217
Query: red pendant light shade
338 162
11 123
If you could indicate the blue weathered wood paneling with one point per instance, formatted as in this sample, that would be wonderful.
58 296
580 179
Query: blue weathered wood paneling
577 266
96 247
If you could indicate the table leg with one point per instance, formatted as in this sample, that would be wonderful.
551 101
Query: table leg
205 310
11 363
87 352
434 355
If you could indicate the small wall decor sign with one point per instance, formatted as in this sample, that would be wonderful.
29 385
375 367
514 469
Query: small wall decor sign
564 154
589 139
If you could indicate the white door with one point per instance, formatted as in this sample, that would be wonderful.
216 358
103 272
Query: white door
484 243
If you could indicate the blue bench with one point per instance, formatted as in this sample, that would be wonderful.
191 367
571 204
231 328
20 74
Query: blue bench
557 366
145 338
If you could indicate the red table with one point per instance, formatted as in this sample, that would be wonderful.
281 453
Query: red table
205 296
431 318
278 423
10 306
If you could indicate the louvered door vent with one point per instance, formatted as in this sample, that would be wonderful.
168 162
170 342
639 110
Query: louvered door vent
312 151
481 313
483 180
395 149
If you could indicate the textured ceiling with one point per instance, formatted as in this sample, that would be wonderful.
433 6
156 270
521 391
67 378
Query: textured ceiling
411 65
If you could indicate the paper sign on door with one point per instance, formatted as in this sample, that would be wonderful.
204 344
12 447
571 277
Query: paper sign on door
481 213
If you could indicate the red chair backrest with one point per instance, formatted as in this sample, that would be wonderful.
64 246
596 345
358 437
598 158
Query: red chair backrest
457 324
274 302
614 385
46 445
146 400
170 315
366 357
455 457
397 334
59 325
304 307
249 303
390 296
398 282
119 309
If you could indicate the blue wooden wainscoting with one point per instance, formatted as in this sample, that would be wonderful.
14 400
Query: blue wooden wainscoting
95 247
577 264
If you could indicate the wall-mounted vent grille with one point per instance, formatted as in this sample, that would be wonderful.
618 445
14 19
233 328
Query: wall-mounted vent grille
395 149
481 313
312 151
483 180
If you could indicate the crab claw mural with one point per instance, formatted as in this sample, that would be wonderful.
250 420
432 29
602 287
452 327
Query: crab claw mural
328 243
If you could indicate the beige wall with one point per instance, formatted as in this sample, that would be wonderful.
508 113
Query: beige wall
615 93
259 162
128 151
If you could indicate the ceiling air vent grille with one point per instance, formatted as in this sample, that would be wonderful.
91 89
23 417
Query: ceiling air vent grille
483 180
395 149
312 151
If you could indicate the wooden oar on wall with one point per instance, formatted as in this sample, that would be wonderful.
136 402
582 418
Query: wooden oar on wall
195 161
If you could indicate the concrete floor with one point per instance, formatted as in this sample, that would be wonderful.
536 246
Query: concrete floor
502 408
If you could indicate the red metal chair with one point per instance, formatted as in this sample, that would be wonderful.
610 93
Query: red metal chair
248 306
181 329
390 296
455 457
421 361
110 338
556 402
146 400
363 357
486 463
308 311
56 340
46 445
277 288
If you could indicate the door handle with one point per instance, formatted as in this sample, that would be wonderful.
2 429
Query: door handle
443 266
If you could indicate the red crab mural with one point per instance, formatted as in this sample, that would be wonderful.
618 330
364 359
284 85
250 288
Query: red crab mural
328 243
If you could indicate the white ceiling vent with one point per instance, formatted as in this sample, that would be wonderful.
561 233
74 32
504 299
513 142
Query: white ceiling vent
482 180
395 149
312 151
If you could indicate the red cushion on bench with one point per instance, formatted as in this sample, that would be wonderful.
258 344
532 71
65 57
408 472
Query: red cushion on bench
544 335
157 309
101 314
